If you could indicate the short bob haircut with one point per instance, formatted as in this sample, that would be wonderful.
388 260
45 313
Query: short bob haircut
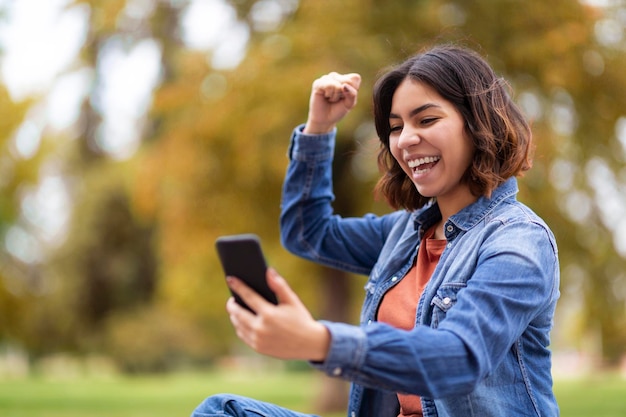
501 135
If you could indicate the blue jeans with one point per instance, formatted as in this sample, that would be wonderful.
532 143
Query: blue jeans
236 406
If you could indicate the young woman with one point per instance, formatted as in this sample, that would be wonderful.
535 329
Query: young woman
463 278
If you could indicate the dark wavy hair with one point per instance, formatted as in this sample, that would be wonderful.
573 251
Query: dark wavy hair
501 135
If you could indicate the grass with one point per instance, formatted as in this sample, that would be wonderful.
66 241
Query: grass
597 396
145 396
177 395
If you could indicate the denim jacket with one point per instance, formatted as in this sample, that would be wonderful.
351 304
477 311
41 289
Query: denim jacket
481 336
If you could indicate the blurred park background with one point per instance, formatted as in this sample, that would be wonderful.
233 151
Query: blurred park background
135 132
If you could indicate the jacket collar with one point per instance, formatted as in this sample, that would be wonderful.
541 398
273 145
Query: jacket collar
470 215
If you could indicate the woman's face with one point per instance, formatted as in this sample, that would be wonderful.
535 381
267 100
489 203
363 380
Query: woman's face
429 142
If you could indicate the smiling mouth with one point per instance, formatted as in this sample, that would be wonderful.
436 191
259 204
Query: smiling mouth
422 165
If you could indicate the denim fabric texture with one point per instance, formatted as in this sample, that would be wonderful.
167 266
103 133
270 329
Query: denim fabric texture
480 346
237 406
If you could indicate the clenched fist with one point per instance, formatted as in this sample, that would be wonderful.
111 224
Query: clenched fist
332 97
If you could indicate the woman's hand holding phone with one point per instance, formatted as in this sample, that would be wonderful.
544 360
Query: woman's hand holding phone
286 330
267 314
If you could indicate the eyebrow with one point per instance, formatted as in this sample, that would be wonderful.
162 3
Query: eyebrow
416 110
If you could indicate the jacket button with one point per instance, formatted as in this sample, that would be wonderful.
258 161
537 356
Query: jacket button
450 228
394 279
446 300
337 371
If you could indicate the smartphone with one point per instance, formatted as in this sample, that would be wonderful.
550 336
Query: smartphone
241 256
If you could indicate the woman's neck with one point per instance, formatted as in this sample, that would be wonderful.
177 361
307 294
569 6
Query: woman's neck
449 207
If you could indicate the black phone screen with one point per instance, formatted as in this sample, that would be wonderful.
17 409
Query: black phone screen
242 257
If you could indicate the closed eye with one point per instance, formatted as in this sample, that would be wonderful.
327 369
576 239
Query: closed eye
428 120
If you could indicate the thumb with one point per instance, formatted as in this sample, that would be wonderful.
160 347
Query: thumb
354 80
350 96
283 291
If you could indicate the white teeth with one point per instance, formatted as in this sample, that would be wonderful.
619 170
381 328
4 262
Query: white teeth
420 161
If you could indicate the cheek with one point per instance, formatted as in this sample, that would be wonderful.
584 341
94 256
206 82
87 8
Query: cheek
465 151
394 150
463 162
470 149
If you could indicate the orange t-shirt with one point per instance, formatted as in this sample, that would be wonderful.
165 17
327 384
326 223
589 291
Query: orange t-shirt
399 305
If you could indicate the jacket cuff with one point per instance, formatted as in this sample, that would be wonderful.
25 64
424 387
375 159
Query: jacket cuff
347 349
304 147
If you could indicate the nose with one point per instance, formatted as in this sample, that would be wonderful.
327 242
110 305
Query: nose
408 137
